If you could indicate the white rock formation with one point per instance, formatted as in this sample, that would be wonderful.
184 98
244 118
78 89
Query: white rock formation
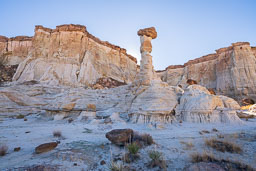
198 105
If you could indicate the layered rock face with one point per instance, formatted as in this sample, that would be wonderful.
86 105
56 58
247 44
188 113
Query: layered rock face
14 50
231 71
69 55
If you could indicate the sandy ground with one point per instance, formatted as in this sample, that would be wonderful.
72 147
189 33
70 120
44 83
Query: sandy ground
83 145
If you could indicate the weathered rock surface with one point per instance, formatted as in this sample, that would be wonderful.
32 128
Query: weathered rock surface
14 50
149 32
69 55
198 105
45 147
204 166
120 136
230 71
7 72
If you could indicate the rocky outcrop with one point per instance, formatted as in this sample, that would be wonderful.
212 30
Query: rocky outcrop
197 104
69 55
230 71
14 50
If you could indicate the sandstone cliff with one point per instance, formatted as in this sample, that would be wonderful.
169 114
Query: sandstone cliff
69 55
231 71
14 50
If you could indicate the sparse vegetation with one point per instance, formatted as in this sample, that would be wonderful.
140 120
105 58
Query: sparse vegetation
188 145
133 148
57 133
223 146
114 166
146 139
20 116
3 150
227 164
156 159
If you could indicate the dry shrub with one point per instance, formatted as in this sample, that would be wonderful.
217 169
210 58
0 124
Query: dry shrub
223 146
3 150
144 139
57 133
227 164
114 166
188 145
156 160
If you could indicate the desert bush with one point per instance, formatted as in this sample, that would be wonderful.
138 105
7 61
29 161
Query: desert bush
114 166
3 150
145 139
57 133
133 148
223 146
155 155
20 116
227 164
156 159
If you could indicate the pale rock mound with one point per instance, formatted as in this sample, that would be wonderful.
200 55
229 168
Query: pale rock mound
198 105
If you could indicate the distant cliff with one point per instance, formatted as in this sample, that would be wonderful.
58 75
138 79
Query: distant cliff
231 71
14 50
69 55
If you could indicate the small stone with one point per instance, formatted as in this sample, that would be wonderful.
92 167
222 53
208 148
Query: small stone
75 164
25 119
102 162
27 132
16 149
70 120
45 147
107 121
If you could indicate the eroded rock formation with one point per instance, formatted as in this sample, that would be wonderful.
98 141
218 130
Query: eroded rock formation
14 50
147 73
69 55
230 71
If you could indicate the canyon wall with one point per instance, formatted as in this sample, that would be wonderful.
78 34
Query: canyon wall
231 71
14 50
69 55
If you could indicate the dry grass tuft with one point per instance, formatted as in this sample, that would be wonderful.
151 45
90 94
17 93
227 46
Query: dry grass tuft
189 145
3 150
145 139
114 166
223 146
57 134
227 164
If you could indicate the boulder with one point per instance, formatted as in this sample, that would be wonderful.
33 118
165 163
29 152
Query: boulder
45 147
120 136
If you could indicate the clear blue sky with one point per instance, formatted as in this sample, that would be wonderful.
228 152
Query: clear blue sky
187 29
